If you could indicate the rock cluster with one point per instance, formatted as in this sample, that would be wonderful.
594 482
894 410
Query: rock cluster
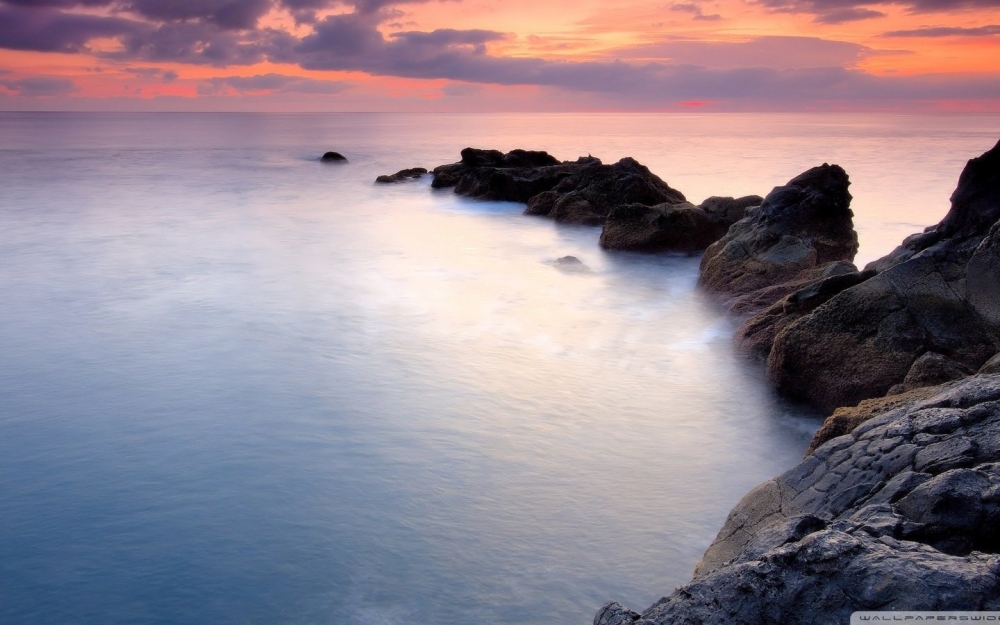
897 503
926 313
902 513
637 209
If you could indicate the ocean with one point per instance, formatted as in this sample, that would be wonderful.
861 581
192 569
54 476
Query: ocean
238 385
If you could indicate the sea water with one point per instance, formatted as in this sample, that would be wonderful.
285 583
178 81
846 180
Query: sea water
238 385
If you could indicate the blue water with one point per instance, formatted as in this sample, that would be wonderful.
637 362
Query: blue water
241 386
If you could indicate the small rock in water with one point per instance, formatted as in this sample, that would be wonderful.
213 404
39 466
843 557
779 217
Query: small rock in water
332 157
402 174
571 264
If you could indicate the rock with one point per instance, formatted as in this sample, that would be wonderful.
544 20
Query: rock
401 175
900 514
579 192
332 157
844 420
929 315
790 239
756 335
666 227
570 264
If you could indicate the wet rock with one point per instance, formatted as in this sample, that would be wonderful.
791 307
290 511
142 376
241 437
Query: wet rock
333 157
790 239
680 227
930 313
402 175
900 514
579 192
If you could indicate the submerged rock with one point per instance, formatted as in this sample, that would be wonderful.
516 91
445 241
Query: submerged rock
900 514
801 232
570 264
402 175
332 157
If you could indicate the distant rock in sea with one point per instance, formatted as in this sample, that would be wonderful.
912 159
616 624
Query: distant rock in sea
333 157
402 175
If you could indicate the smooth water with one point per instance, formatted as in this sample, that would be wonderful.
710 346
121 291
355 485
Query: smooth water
241 386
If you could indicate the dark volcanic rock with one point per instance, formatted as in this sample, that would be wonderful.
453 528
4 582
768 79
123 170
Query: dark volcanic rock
801 232
333 157
580 192
401 175
929 315
680 227
900 514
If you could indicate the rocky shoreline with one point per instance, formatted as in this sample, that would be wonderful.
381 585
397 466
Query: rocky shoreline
896 505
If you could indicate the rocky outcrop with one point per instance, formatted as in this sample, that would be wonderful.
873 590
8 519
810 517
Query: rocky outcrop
591 193
333 157
579 192
402 175
666 227
802 232
900 514
931 313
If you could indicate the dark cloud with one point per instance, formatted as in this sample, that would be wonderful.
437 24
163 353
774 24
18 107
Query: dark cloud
839 11
947 31
50 30
842 16
40 87
272 83
772 51
695 12
199 43
226 14
153 73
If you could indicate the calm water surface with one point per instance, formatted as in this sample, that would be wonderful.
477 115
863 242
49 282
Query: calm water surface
241 386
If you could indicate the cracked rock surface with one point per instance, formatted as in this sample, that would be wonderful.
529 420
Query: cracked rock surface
902 513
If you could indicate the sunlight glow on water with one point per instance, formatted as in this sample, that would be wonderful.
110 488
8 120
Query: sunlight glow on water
237 385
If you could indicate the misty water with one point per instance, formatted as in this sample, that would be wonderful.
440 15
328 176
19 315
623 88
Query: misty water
238 385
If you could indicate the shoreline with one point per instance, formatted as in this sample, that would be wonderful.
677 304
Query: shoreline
896 504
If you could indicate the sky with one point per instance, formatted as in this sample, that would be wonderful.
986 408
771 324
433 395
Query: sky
500 55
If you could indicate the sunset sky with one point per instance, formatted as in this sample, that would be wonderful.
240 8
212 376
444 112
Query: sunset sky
500 55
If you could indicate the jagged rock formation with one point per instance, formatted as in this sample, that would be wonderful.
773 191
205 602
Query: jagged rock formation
580 192
931 312
801 233
681 227
902 513
402 175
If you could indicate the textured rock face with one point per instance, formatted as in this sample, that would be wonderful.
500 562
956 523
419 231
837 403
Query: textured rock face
802 232
932 313
902 513
680 227
580 192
